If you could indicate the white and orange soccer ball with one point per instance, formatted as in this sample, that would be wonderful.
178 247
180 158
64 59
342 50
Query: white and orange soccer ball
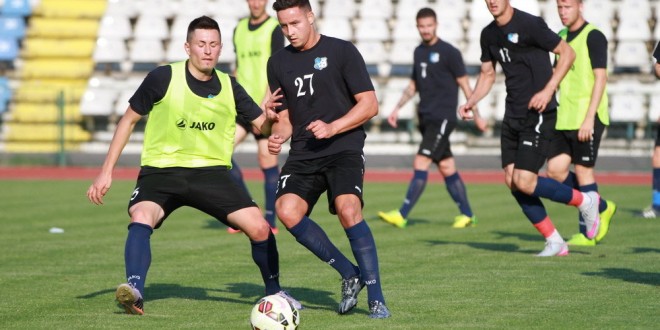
274 313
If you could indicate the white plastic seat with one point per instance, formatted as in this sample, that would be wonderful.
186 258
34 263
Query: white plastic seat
627 101
479 12
405 29
231 9
374 55
146 53
339 8
633 29
451 30
116 26
472 56
402 50
338 27
529 6
372 29
110 51
634 9
174 50
598 9
393 90
155 8
375 9
151 27
450 9
98 101
407 9
122 7
632 56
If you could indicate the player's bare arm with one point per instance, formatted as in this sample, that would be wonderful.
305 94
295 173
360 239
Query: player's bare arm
464 83
407 94
281 132
103 181
586 131
566 58
365 109
656 68
484 84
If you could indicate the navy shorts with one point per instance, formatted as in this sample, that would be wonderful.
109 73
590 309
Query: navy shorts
525 142
582 153
657 135
247 126
435 139
338 174
211 190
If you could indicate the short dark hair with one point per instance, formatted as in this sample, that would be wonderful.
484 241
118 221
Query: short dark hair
286 4
426 12
203 23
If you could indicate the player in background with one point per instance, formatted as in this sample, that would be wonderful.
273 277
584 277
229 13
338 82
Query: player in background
438 72
520 43
328 96
653 210
582 114
186 159
255 38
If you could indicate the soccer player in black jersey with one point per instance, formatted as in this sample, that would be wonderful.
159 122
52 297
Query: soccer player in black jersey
582 114
189 137
328 96
653 210
438 72
520 42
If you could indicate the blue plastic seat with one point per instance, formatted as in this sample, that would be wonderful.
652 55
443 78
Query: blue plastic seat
5 94
16 8
12 26
8 49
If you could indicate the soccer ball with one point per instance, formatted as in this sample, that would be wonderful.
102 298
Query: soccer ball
274 313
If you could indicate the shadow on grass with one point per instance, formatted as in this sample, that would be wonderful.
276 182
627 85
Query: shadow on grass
628 275
645 250
248 294
501 247
520 236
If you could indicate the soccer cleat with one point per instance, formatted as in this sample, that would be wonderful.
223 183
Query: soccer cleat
393 217
590 214
295 303
130 298
649 213
553 249
580 240
233 231
605 219
349 291
463 221
378 310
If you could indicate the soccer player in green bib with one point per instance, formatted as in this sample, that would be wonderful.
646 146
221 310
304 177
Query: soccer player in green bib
256 37
186 157
582 114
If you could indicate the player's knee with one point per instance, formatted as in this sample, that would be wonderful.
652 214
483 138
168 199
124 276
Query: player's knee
288 212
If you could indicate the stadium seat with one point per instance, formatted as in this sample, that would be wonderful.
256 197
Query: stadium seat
529 6
407 9
70 8
451 31
9 49
338 27
631 57
115 26
121 104
109 54
21 8
12 26
374 55
635 9
450 9
146 53
551 16
58 68
627 105
405 28
230 9
63 28
401 57
479 13
598 9
5 93
472 56
174 50
633 29
151 27
372 29
98 101
376 9
122 7
157 8
339 8
49 47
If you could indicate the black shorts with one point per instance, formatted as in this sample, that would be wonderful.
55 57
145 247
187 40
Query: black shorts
249 128
435 139
582 153
525 141
338 174
211 190
657 135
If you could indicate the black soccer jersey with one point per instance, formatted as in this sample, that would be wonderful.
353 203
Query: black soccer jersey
656 52
319 84
154 87
522 48
436 68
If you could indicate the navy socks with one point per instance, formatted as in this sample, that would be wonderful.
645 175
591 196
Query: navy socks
364 251
137 254
265 255
458 193
415 189
531 206
271 176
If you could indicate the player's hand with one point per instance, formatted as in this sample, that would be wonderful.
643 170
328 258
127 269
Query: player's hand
393 117
99 188
465 112
271 103
321 130
586 131
540 100
275 143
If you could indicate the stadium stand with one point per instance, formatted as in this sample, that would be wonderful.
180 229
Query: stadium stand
53 46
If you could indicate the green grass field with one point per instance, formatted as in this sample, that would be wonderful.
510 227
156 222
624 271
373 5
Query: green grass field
434 277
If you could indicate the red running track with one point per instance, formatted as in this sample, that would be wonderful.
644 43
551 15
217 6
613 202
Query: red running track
373 175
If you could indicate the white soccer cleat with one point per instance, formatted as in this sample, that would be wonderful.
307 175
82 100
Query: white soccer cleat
552 249
590 214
